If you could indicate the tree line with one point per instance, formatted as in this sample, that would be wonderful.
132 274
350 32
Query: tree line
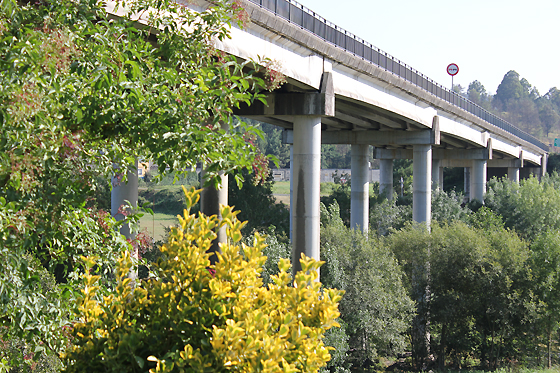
479 290
520 103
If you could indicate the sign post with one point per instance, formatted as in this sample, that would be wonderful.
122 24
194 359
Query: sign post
452 69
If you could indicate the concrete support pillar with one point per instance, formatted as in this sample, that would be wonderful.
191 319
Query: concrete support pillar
291 188
544 164
386 177
122 192
437 174
210 200
513 174
467 182
306 184
125 191
478 179
421 184
359 194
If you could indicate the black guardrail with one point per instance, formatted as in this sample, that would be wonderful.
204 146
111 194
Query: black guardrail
310 21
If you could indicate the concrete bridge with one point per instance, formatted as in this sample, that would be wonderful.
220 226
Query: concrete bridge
342 90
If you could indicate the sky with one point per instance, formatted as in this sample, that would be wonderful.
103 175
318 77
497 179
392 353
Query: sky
485 38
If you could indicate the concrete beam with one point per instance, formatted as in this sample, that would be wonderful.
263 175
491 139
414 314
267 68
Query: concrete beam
515 163
378 138
490 163
453 128
443 154
280 104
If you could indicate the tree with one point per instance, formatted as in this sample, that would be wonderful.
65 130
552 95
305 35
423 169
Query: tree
274 145
194 316
549 117
477 94
82 93
375 308
545 266
468 284
258 207
530 207
510 89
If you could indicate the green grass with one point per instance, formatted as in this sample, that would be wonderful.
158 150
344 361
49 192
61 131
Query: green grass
164 187
156 224
281 187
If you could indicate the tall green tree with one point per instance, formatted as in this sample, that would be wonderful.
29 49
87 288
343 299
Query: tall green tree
549 117
82 92
509 89
477 94
530 207
545 266
375 308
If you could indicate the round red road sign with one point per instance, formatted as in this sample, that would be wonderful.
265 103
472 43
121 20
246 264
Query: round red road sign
452 69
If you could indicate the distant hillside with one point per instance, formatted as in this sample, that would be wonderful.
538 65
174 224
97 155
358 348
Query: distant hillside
521 104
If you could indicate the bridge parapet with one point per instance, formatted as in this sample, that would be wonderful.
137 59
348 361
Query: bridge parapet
308 20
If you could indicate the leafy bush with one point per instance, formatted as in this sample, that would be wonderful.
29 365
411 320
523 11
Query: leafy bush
471 291
446 207
530 207
258 206
375 309
194 316
388 215
275 250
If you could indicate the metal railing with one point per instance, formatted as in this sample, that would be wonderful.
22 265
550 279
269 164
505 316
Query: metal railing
297 14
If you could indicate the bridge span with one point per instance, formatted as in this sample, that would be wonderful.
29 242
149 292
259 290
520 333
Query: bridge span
341 89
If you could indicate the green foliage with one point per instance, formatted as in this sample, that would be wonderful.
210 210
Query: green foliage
166 200
340 195
155 180
477 94
335 156
446 207
530 207
545 267
258 206
387 216
375 308
275 250
271 143
470 288
402 168
510 89
194 316
81 93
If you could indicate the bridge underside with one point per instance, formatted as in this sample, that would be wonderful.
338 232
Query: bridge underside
336 96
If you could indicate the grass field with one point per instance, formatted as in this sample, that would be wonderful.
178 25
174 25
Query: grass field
156 224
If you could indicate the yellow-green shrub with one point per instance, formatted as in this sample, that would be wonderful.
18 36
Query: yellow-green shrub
198 317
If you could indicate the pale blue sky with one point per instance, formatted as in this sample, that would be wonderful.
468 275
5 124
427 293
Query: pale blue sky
486 38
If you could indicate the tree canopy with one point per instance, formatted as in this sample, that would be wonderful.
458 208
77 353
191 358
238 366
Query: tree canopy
82 93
